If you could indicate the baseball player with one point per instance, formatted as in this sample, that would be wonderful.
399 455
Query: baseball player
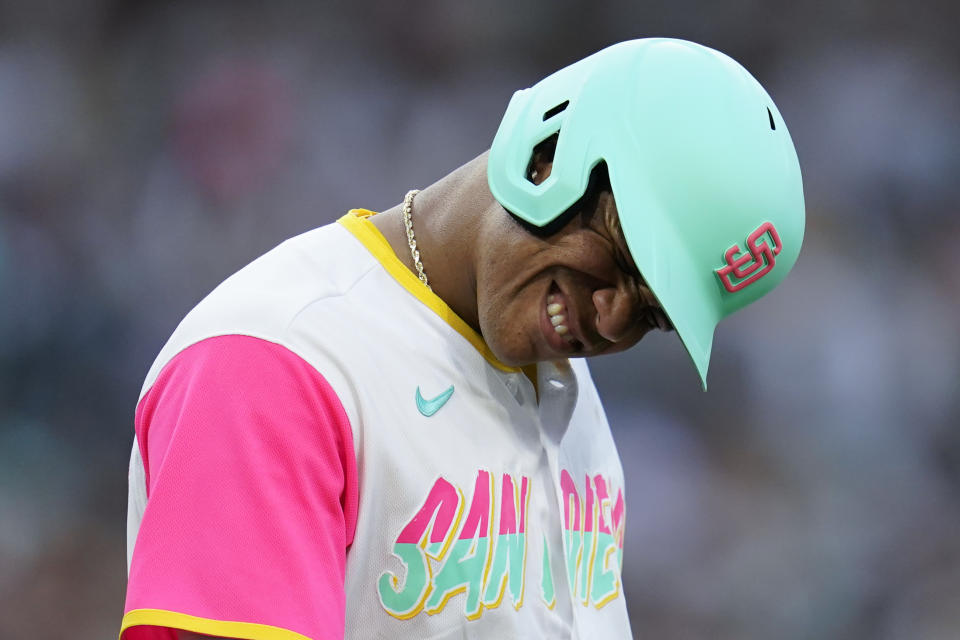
384 427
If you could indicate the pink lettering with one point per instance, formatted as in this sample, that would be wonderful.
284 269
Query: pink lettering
509 504
442 501
571 502
617 517
524 485
588 513
604 499
478 518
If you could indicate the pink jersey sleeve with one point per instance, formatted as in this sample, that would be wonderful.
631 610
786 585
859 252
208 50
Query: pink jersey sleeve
251 498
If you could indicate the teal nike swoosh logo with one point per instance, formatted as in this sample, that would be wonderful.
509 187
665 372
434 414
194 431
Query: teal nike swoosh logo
430 407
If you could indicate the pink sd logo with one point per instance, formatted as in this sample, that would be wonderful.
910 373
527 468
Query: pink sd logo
754 262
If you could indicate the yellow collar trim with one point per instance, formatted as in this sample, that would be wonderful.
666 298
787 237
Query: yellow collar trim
357 222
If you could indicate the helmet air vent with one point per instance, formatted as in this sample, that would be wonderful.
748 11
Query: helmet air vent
773 126
557 109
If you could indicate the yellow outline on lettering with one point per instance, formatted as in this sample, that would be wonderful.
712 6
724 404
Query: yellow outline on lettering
591 555
526 540
546 551
463 587
616 578
520 514
454 526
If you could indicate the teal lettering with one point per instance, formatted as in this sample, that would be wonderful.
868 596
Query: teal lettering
405 601
507 570
546 578
462 572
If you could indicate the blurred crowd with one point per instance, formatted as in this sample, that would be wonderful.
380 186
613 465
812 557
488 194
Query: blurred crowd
150 149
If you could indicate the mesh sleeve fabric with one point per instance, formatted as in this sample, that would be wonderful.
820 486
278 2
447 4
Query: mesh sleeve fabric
251 497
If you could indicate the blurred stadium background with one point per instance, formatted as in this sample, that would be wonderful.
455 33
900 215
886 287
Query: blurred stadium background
149 149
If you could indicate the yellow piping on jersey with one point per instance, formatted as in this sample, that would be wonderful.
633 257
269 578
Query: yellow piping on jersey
206 626
357 222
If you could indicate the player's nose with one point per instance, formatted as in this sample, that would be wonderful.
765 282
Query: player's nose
616 312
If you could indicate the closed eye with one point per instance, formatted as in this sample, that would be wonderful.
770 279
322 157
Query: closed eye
660 320
653 313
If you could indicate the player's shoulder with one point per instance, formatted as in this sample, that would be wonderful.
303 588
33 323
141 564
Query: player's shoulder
321 263
264 298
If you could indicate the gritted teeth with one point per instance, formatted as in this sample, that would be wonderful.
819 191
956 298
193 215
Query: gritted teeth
556 313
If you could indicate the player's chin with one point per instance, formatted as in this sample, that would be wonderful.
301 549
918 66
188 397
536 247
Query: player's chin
517 342
512 357
516 350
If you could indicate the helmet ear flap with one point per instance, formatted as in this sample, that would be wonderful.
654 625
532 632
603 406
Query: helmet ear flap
542 155
599 181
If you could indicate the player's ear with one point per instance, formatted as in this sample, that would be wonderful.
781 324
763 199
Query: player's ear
541 160
538 170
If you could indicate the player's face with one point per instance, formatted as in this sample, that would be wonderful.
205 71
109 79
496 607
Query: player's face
575 293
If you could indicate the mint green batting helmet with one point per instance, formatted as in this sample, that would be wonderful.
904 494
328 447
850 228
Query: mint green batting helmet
702 168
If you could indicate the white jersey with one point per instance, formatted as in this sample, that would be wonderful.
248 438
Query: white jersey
466 501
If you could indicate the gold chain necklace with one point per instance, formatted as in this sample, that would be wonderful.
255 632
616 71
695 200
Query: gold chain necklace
408 224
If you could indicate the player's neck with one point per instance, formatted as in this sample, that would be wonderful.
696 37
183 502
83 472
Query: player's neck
446 220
